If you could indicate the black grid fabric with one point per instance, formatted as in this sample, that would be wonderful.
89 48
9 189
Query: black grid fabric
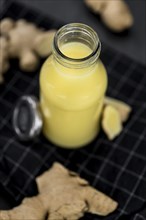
118 168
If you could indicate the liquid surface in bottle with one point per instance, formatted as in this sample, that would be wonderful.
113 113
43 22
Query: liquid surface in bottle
76 50
71 99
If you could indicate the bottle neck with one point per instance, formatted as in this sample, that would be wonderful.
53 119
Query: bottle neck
82 37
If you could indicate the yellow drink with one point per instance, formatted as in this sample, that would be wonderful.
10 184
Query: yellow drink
71 98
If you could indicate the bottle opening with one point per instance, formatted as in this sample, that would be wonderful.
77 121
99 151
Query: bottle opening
76 43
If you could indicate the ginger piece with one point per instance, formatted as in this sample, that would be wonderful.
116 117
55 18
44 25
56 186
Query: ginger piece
115 14
27 42
4 57
43 43
62 195
123 108
21 39
31 208
6 25
74 195
111 122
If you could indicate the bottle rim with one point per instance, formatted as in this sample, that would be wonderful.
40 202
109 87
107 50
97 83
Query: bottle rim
84 29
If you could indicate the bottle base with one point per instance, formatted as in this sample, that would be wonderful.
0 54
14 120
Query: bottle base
71 146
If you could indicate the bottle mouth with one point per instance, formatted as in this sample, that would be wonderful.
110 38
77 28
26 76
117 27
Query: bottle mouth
76 32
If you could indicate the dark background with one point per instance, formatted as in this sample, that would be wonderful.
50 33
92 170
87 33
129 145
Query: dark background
132 43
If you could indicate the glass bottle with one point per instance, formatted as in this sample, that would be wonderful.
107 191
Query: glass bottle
73 82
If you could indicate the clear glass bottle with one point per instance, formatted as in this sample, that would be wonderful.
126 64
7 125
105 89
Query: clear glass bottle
73 82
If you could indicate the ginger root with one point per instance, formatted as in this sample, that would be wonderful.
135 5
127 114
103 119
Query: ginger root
43 43
62 195
74 195
6 25
111 122
114 13
123 108
30 209
4 57
27 42
23 38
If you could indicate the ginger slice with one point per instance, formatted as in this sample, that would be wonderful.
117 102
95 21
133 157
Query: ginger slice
123 108
115 14
111 122
62 195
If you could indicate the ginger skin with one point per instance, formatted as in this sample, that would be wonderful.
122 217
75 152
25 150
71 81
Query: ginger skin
4 57
115 14
27 42
6 25
62 195
30 208
43 42
23 45
78 197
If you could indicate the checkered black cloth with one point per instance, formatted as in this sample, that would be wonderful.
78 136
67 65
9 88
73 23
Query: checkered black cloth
118 168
